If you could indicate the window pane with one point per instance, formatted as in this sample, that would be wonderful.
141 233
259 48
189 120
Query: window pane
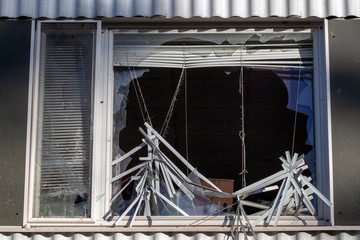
63 153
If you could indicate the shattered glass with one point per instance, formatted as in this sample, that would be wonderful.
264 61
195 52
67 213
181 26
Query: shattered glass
180 199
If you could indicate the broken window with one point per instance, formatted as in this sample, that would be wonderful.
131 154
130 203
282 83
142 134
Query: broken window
230 103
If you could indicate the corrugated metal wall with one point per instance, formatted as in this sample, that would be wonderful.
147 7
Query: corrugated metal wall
14 82
344 55
182 236
178 8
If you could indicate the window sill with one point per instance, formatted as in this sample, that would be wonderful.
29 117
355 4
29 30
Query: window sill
171 224
171 221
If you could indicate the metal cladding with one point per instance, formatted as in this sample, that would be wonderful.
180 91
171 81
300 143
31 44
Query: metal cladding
182 236
52 9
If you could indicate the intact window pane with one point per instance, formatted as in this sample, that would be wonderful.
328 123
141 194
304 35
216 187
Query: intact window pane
63 153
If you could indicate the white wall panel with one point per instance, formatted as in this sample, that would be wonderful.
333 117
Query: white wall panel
183 236
179 8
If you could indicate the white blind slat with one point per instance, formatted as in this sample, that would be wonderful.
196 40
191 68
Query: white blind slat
185 53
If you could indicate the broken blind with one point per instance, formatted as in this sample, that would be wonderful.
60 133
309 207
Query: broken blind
214 48
63 154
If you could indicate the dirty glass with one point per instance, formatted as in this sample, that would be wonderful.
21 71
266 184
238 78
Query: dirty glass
64 122
276 74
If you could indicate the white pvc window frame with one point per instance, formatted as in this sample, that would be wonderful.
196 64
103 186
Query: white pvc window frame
102 138
321 100
97 166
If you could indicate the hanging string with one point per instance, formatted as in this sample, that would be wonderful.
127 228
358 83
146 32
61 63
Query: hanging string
186 110
186 121
296 110
242 131
138 99
139 95
165 126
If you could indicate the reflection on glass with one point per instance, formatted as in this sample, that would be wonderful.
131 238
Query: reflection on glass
63 153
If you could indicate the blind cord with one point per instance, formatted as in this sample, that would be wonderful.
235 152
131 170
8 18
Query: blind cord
296 113
140 97
242 131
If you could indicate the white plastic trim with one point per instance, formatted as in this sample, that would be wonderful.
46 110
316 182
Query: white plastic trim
328 108
28 131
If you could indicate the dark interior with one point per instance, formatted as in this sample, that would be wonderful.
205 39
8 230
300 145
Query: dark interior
214 120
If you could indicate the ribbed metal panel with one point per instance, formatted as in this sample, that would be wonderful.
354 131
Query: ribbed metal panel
181 236
178 8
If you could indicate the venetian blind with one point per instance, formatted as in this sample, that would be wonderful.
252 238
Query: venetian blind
283 48
65 120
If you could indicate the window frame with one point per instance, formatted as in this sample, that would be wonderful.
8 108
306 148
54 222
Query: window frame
103 122
321 100
32 125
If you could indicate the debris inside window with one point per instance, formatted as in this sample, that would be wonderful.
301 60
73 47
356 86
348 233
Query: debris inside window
161 188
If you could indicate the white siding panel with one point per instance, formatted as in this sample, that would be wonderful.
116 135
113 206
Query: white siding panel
240 8
26 8
294 7
318 8
182 236
159 7
334 8
105 8
278 8
123 8
67 8
9 8
221 8
83 9
201 8
179 8
352 8
259 8
47 8
142 8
